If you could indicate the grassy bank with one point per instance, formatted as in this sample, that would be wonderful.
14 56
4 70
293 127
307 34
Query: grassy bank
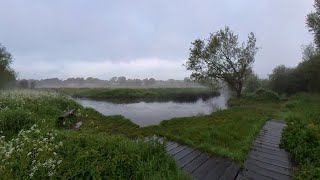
228 133
302 135
142 94
32 146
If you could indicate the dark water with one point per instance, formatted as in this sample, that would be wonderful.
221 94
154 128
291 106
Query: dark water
146 114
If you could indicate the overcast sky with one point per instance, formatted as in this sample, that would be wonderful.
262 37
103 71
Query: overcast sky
138 39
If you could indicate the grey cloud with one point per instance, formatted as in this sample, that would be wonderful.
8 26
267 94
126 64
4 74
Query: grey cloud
79 30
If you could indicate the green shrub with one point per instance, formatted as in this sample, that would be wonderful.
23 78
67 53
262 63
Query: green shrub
302 135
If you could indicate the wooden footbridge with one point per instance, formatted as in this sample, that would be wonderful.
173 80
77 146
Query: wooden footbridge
265 160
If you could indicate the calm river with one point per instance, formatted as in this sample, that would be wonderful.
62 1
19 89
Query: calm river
146 114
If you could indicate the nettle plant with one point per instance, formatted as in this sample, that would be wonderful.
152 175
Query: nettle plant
31 154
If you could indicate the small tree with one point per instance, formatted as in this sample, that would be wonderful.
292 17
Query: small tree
7 74
222 59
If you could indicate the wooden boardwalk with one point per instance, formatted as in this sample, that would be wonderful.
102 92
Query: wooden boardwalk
200 165
266 160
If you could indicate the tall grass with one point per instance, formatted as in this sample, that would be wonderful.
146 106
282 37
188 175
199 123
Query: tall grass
228 133
33 147
302 135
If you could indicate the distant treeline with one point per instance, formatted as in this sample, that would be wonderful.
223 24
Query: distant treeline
95 82
305 77
120 95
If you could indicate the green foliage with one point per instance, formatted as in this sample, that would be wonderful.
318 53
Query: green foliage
228 133
313 23
115 157
303 78
7 74
222 59
302 135
98 150
259 96
135 95
31 155
252 83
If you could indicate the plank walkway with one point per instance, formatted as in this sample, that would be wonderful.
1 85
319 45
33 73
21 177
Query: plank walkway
200 165
266 160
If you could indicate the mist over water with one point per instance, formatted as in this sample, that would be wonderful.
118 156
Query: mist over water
152 113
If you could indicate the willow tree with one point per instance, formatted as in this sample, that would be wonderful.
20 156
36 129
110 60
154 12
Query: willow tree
221 59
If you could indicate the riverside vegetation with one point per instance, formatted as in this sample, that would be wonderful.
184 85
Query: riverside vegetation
138 94
32 144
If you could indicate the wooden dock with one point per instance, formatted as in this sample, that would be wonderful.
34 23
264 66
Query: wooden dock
265 160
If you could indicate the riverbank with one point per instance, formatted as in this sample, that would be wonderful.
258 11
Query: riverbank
32 145
107 146
142 94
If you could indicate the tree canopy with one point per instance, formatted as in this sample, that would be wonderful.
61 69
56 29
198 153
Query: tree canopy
222 59
7 74
313 23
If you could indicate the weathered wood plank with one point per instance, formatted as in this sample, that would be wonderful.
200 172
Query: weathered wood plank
270 156
175 145
281 170
188 158
204 169
183 153
230 172
255 176
241 177
196 163
285 164
176 150
267 173
275 153
218 171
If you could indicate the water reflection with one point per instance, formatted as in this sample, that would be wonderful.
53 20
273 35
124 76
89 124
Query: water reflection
152 113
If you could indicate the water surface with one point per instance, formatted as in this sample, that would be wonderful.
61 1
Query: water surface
152 113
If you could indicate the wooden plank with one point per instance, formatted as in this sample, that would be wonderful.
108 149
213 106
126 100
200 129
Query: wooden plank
218 171
204 169
269 147
281 170
255 176
230 172
266 144
211 169
268 140
269 136
270 156
169 143
183 153
284 164
176 150
276 153
197 162
175 145
267 173
188 158
241 177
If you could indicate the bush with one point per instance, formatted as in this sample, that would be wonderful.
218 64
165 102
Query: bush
302 135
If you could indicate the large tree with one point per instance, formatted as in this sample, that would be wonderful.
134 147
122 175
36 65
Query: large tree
221 59
7 74
313 23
